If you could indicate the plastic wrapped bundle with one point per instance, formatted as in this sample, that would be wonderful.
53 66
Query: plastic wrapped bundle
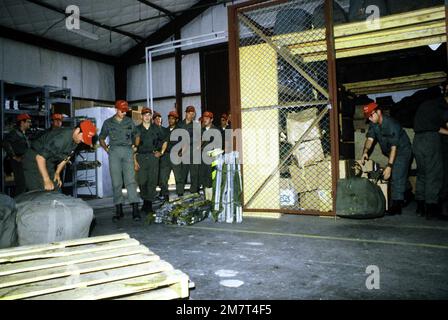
186 210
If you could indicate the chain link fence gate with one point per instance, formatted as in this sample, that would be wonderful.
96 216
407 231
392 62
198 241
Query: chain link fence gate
285 108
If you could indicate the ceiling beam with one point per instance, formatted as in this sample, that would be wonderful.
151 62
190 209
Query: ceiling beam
161 9
138 51
90 21
45 43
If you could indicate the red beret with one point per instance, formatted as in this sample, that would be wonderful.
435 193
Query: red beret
88 131
156 114
190 109
57 116
173 114
23 116
122 105
146 110
207 114
369 108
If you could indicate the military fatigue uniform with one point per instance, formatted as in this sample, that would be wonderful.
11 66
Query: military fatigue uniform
55 146
121 135
192 167
388 134
430 116
223 136
205 171
16 144
166 166
148 174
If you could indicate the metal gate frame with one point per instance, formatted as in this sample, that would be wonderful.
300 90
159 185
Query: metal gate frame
235 98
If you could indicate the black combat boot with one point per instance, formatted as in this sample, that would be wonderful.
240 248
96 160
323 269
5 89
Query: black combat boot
150 209
135 212
432 210
118 212
421 210
395 208
408 197
144 207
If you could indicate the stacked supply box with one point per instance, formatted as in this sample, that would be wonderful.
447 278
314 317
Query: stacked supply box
310 171
310 149
313 185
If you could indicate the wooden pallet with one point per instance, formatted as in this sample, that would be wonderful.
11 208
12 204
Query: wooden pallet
105 267
398 31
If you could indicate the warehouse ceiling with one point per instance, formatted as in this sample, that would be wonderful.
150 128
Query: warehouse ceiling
119 26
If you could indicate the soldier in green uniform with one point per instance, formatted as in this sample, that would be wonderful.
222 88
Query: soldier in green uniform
122 134
157 119
166 165
56 120
430 121
146 160
193 150
224 127
211 139
16 144
54 150
395 144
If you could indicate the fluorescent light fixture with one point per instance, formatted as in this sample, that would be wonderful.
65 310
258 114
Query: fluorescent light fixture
85 33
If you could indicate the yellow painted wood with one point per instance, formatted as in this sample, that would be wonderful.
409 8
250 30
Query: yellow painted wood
80 268
355 28
374 38
267 215
258 76
168 293
261 157
64 252
395 80
399 45
400 87
55 245
12 268
83 280
119 288
294 61
399 31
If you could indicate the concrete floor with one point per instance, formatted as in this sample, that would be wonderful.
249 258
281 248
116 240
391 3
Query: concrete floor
299 257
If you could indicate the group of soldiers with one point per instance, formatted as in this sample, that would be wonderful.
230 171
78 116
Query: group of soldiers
138 155
429 149
142 155
145 155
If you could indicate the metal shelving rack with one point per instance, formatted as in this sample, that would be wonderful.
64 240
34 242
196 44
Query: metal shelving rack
85 169
39 102
59 100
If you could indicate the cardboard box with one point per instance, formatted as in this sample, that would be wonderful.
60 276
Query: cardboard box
311 177
317 200
309 152
385 189
298 122
82 104
360 124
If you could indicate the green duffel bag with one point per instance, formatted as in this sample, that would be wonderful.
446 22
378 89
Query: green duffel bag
8 227
359 198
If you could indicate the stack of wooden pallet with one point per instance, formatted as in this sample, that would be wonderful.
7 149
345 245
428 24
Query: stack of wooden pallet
105 267
393 32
